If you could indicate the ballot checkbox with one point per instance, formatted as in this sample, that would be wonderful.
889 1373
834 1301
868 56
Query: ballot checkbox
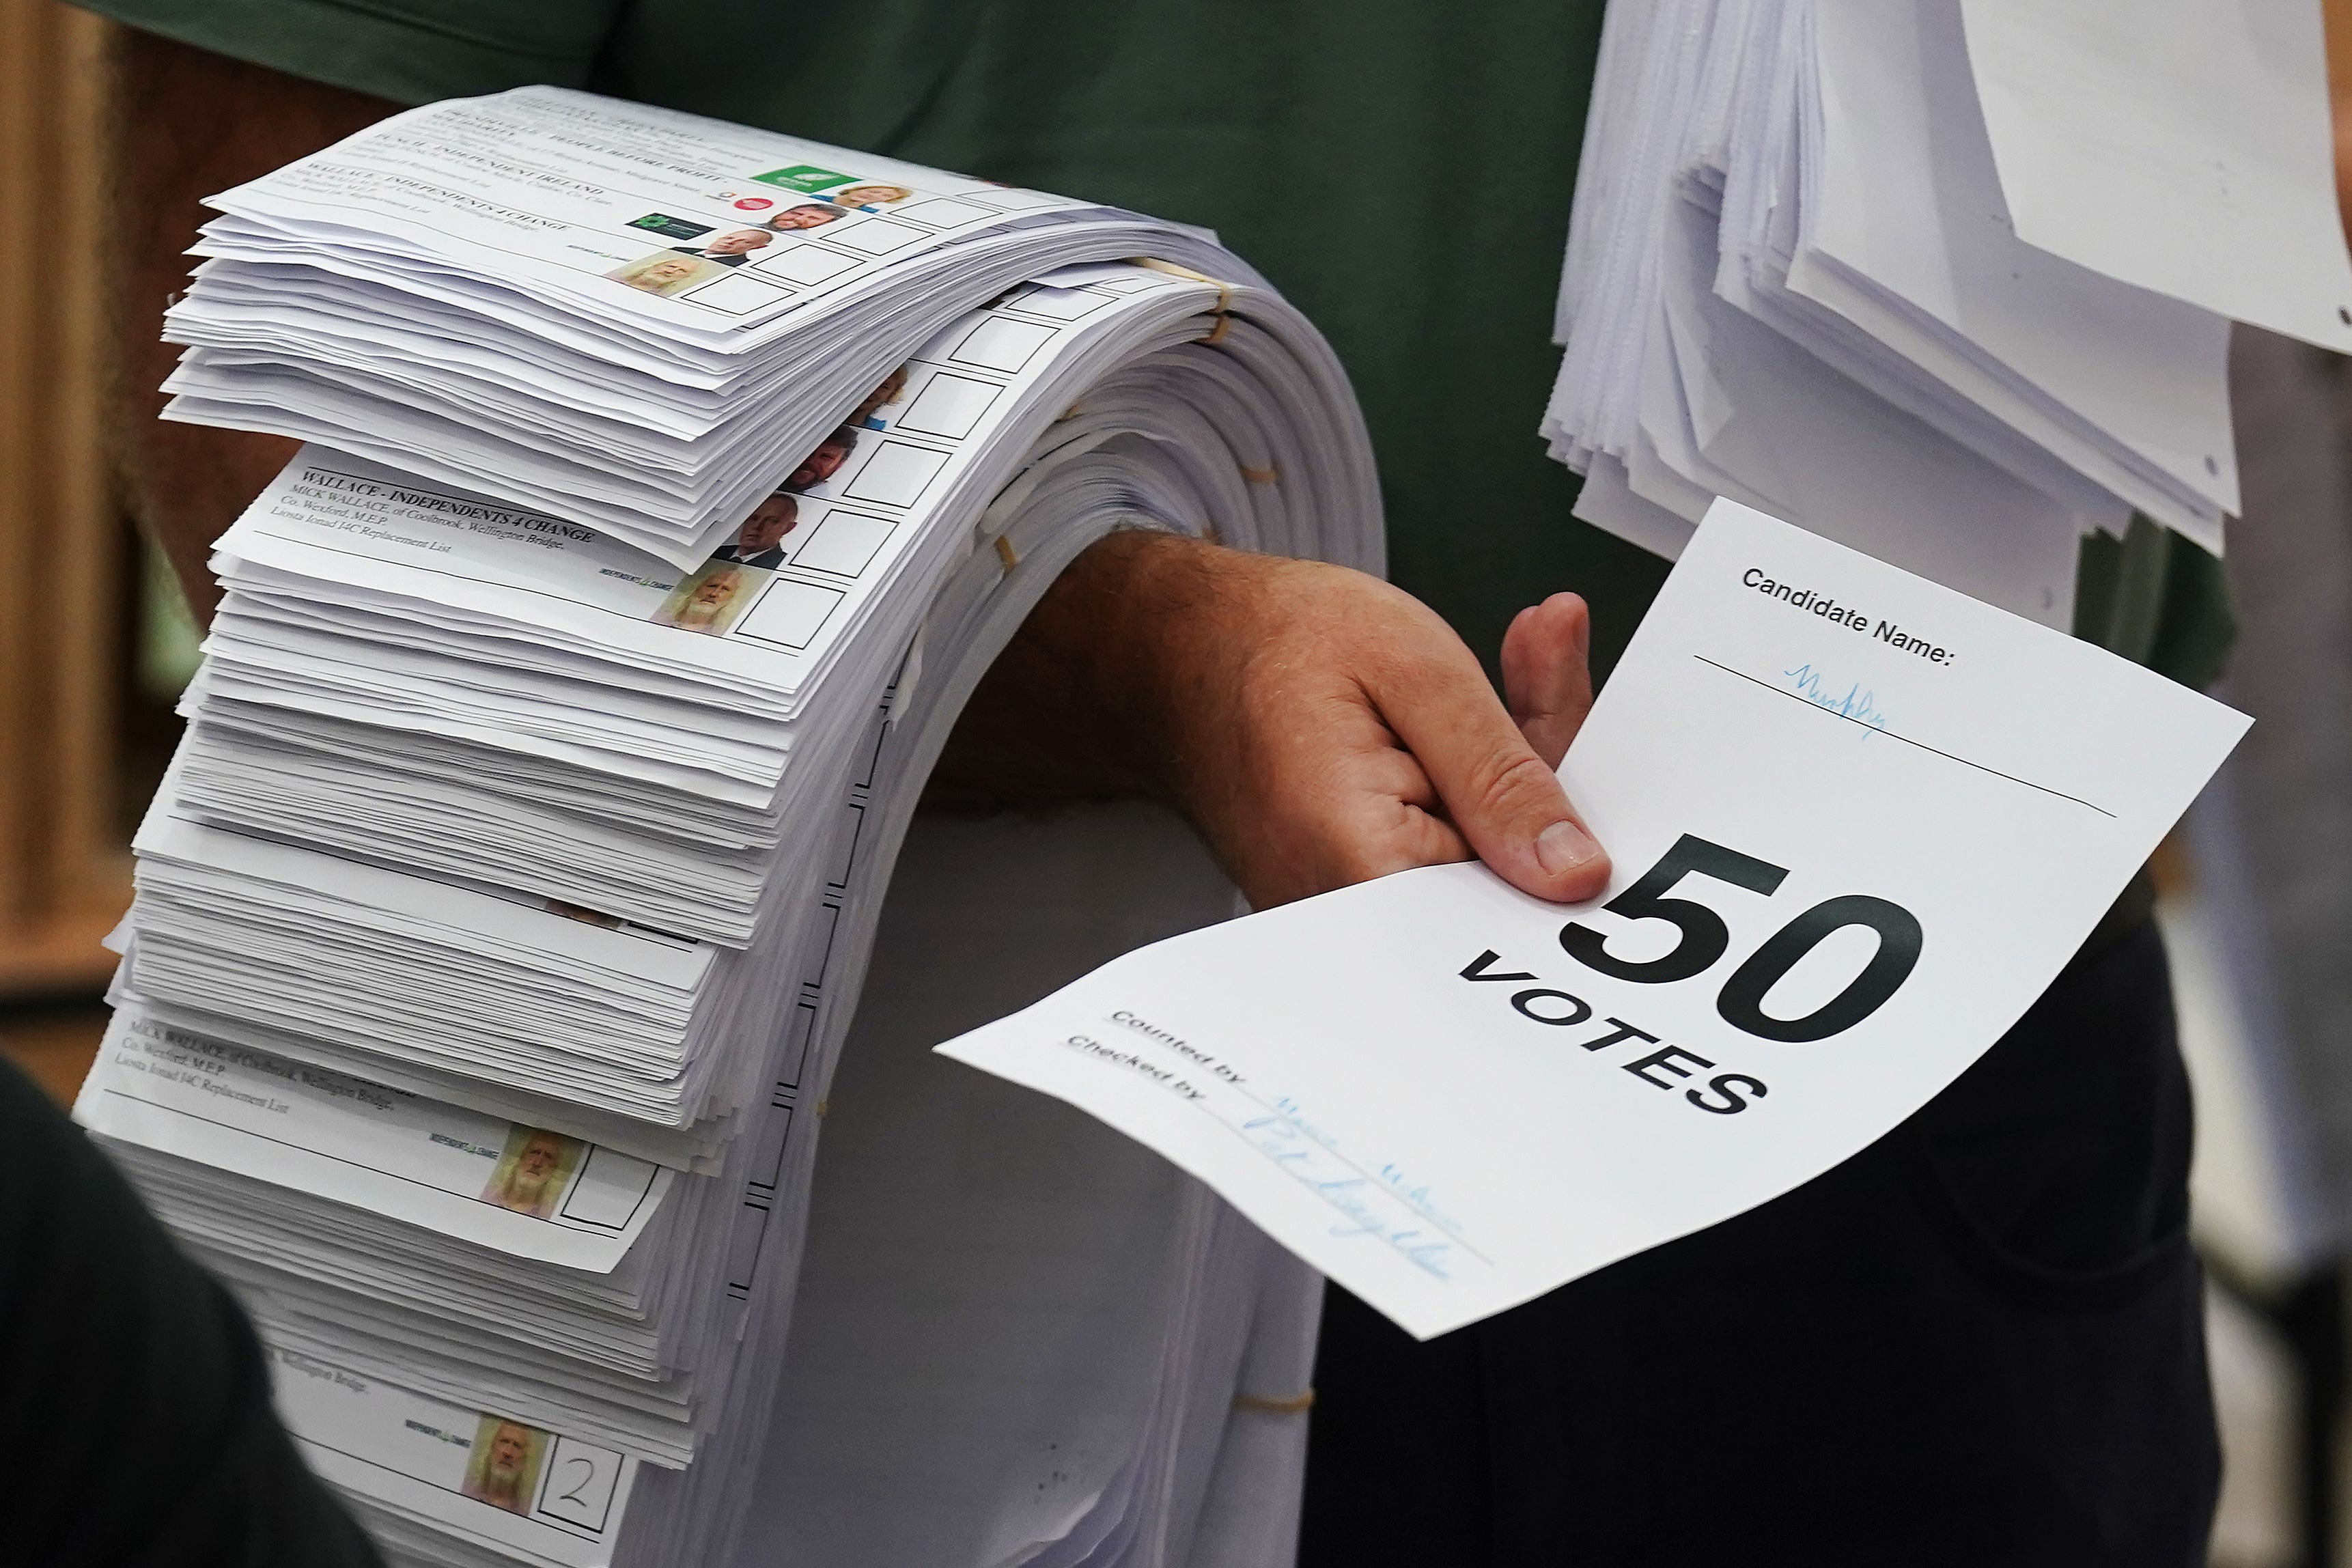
895 474
806 263
1009 198
579 1483
845 543
942 211
1002 343
788 614
949 406
1059 304
609 1190
877 236
740 294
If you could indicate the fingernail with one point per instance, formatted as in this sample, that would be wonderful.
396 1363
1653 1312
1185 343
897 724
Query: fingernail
1563 846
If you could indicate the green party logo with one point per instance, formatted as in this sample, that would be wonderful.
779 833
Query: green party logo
804 177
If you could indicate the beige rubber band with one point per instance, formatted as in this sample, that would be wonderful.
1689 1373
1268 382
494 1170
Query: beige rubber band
1296 1404
1261 475
1005 552
1224 291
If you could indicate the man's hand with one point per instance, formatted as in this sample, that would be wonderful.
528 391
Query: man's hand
1317 726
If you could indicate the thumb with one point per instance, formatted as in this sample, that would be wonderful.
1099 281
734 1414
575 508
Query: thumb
1501 796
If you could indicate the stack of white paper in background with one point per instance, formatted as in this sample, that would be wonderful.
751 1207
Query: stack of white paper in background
1947 280
501 919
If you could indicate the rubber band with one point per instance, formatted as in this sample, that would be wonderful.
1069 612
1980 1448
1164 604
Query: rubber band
1296 1404
1224 291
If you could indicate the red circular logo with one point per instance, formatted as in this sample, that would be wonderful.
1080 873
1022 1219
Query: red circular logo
753 204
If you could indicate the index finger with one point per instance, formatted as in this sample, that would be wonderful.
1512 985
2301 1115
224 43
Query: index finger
1498 791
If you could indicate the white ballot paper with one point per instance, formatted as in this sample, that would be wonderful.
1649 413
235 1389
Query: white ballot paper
1860 822
2183 146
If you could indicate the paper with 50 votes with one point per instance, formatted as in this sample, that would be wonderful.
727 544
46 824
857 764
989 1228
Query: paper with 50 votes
1859 822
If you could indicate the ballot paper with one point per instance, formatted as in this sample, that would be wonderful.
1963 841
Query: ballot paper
1949 283
545 1496
523 1190
1859 823
2186 147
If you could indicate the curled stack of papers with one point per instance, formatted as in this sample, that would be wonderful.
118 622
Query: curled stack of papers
636 318
1831 258
502 920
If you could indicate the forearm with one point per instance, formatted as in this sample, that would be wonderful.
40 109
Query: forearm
188 124
1317 726
1064 714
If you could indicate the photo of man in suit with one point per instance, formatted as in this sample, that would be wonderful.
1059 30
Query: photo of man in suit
729 249
760 541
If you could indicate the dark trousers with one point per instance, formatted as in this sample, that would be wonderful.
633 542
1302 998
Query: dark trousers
1978 1343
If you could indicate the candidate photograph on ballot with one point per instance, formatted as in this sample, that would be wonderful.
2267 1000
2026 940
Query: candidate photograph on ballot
666 273
893 389
869 198
532 1170
729 249
807 214
825 460
760 541
503 1466
712 600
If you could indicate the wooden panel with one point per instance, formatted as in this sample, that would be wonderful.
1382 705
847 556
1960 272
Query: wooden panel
64 873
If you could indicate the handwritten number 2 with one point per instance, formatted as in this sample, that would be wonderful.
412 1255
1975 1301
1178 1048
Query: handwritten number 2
573 1495
1706 938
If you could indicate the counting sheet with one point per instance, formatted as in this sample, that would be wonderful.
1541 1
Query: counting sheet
1859 822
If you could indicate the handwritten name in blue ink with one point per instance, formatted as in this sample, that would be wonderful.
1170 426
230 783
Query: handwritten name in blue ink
1419 1195
1857 702
1296 1149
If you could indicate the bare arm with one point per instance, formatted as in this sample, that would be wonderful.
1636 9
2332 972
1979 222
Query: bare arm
189 123
1317 725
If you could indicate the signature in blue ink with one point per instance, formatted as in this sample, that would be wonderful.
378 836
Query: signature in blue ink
1304 1154
1855 702
1295 1115
1419 1193
1422 1250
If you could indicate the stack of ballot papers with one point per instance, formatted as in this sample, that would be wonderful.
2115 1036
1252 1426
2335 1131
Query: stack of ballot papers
501 919
640 319
1946 280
